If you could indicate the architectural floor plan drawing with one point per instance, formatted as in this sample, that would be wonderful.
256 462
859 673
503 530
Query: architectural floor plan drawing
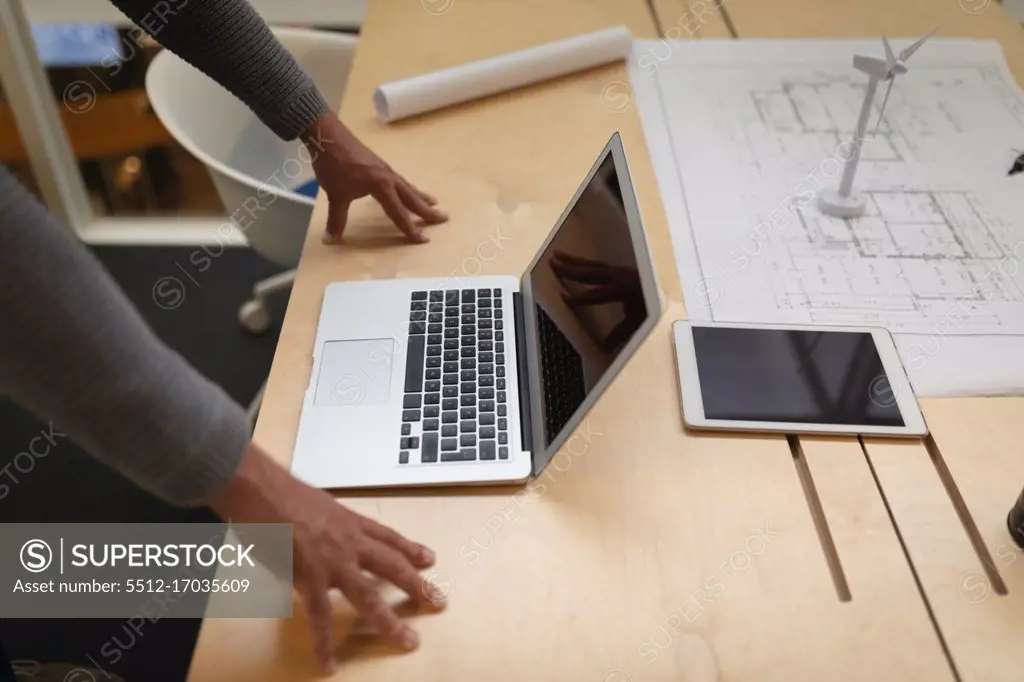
745 134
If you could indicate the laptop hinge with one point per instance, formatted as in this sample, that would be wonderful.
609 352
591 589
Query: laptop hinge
524 372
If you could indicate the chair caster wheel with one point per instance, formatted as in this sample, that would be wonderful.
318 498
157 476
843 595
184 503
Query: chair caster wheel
253 317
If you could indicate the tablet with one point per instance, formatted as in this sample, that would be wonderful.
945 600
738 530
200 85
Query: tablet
794 379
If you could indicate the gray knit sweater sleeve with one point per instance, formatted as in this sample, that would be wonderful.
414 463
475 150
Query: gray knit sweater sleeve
229 42
74 351
72 348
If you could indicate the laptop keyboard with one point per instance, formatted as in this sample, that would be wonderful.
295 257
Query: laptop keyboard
562 374
455 396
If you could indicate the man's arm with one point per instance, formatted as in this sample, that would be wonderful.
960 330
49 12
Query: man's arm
72 349
229 42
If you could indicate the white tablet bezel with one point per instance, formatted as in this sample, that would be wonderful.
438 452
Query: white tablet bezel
693 403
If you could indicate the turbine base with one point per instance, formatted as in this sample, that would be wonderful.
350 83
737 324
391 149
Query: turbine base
832 203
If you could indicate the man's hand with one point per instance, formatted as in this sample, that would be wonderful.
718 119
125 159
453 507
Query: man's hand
347 170
333 548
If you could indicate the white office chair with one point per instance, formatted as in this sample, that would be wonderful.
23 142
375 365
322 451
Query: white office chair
254 171
250 166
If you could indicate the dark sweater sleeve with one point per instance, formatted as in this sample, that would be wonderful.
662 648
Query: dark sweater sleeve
73 350
229 42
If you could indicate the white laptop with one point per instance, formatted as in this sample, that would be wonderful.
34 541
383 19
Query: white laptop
479 380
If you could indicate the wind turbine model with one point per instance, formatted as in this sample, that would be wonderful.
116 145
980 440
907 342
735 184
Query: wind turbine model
844 202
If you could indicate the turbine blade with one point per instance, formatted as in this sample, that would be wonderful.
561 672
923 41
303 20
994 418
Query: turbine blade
905 54
872 66
881 111
890 58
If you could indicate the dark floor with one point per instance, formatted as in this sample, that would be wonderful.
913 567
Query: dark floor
69 486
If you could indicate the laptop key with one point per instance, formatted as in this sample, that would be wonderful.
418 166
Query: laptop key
467 426
451 344
467 439
451 367
451 355
487 406
410 415
433 374
500 358
434 339
487 418
414 364
484 313
501 370
486 345
417 316
451 379
433 362
451 322
451 333
499 324
484 293
433 350
486 356
499 347
434 386
501 384
503 438
451 312
486 368
497 314
467 413
497 293
467 375
403 457
502 453
430 425
468 387
502 410
451 456
449 404
486 380
431 411
484 324
503 424
468 363
418 305
451 297
486 449
497 303
450 392
449 444
485 334
436 295
450 418
432 328
429 452
419 295
436 308
468 351
484 303
468 340
468 308
499 336
449 430
434 317
468 330
501 396
468 295
411 400
486 393
487 432
467 399
406 429
432 399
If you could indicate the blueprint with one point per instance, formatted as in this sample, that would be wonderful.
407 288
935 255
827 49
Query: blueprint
744 134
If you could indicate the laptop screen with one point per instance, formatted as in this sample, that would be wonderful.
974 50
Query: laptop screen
588 297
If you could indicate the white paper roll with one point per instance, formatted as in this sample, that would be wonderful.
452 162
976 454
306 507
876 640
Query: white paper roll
430 91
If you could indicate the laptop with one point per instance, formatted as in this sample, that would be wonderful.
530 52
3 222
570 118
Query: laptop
480 380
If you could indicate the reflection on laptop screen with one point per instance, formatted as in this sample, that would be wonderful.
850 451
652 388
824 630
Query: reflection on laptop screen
588 298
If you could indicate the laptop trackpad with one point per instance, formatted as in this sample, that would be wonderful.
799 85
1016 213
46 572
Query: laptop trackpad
355 373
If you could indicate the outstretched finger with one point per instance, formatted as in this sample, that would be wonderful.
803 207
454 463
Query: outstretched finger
415 202
420 556
318 607
387 197
389 564
364 596
337 217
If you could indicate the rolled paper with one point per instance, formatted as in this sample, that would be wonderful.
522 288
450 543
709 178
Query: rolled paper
438 89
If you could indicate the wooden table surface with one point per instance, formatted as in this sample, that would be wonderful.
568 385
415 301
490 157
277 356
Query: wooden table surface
645 552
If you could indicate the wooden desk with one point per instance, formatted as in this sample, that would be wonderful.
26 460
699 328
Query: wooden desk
642 553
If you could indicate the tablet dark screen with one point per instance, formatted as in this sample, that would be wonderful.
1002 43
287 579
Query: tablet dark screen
776 375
